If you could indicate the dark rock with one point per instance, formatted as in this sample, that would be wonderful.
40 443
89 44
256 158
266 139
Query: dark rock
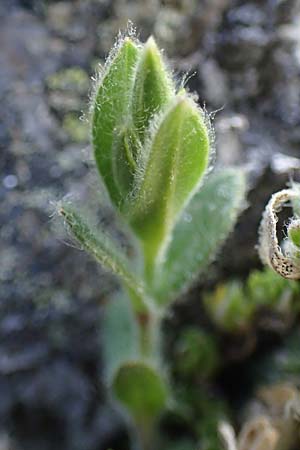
246 54
242 48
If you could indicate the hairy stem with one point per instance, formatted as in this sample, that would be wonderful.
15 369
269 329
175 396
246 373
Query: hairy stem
149 320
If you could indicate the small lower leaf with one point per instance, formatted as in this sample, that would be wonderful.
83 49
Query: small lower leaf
141 390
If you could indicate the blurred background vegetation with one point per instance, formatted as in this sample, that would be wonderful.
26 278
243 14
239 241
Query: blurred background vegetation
242 57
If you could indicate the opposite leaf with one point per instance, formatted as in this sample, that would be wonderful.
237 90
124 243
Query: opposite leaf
141 390
176 159
113 138
202 229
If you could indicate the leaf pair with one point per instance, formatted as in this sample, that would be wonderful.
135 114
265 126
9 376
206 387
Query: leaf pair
151 145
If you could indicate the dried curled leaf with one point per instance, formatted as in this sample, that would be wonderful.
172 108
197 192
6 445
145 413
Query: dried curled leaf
227 436
269 249
258 434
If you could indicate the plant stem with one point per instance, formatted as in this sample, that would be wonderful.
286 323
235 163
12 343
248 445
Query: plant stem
149 325
148 319
150 256
142 435
148 436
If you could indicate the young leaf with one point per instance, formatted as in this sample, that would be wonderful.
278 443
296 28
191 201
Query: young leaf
104 251
153 88
141 390
294 232
296 200
112 135
120 335
177 159
228 307
203 227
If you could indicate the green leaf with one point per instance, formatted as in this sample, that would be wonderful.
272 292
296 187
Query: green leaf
294 232
113 138
120 335
296 200
177 159
141 390
196 354
203 227
229 307
153 88
105 252
267 288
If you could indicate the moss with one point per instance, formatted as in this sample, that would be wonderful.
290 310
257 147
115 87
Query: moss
196 354
77 130
71 79
233 305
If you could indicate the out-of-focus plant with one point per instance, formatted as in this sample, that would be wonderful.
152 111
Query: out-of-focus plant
274 414
233 305
271 415
196 354
152 147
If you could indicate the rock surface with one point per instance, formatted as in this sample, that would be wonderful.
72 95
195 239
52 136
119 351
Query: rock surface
246 55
